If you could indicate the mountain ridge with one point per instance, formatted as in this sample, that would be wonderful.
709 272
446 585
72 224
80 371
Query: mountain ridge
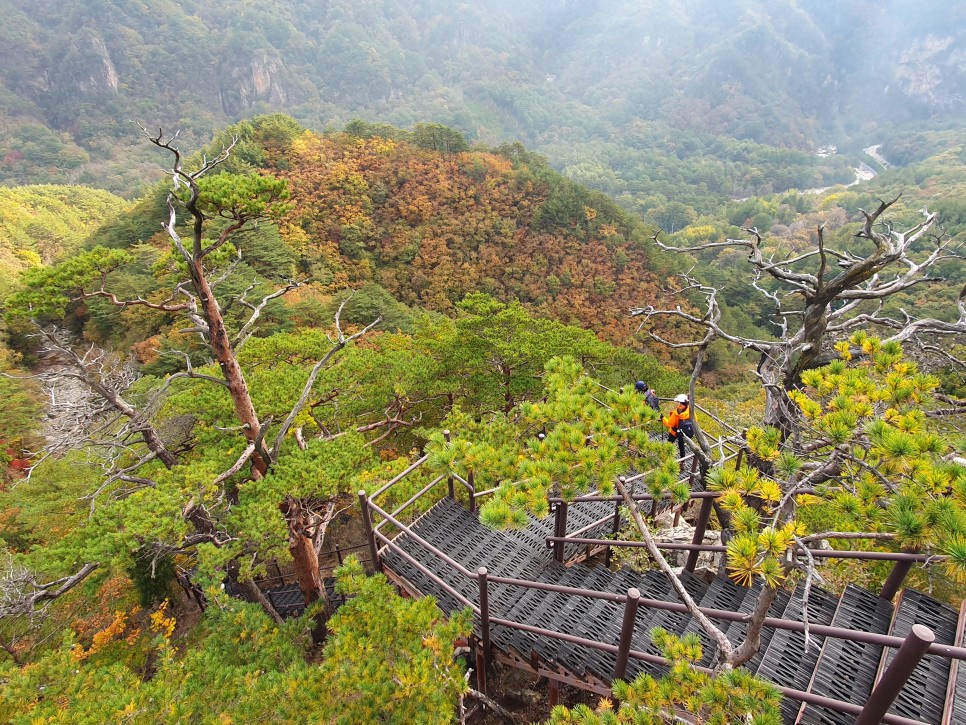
786 74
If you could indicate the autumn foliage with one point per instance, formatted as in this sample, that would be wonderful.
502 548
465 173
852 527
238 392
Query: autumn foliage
431 227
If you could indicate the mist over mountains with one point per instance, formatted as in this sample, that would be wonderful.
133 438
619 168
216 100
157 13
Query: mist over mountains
786 73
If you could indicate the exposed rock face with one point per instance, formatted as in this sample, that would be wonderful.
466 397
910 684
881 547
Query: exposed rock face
108 77
83 68
262 80
929 70
683 534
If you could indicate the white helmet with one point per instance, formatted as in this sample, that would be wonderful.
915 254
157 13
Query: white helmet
681 398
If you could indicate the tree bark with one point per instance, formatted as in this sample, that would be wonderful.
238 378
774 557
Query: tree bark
251 590
220 344
302 549
152 439
724 645
749 648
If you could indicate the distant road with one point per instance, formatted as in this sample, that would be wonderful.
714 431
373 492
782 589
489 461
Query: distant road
873 151
863 172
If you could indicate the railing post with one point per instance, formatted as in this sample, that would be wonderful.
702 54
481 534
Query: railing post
483 657
338 554
627 632
370 532
694 467
449 479
700 526
553 692
896 675
471 479
559 530
896 577
615 528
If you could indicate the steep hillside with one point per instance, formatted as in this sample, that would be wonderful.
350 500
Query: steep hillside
431 227
45 224
412 214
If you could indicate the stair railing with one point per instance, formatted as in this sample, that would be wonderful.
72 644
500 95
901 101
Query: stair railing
903 560
630 600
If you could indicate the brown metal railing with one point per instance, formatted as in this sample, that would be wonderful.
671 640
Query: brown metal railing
631 601
904 560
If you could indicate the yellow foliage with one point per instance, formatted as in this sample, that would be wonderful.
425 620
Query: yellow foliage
161 622
608 230
380 145
843 349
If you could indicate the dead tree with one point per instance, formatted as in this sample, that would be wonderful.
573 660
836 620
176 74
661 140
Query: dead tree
236 205
824 295
25 599
87 404
819 297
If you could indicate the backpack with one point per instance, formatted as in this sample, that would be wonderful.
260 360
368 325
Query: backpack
651 399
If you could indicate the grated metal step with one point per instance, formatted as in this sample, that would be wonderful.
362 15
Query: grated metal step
736 631
924 696
847 670
672 622
786 661
288 599
721 594
832 667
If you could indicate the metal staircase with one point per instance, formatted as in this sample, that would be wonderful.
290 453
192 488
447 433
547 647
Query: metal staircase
834 667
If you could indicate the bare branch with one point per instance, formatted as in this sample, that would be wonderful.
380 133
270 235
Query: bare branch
139 301
189 372
851 535
341 342
236 467
810 575
724 645
22 595
249 327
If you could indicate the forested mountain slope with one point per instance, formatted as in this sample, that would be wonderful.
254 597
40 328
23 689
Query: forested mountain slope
390 209
552 74
227 408
44 224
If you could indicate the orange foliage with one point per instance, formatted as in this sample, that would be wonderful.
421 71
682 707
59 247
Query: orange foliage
147 351
115 592
110 633
433 227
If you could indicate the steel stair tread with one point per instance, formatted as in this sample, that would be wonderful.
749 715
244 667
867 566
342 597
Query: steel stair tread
721 594
736 630
924 696
846 670
831 667
786 661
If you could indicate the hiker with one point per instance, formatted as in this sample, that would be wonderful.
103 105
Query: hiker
649 397
678 422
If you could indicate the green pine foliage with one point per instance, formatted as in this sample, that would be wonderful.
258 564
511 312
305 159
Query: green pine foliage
388 659
890 468
721 699
588 435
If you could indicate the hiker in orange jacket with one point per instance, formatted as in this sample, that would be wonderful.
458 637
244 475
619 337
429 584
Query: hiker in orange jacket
678 422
